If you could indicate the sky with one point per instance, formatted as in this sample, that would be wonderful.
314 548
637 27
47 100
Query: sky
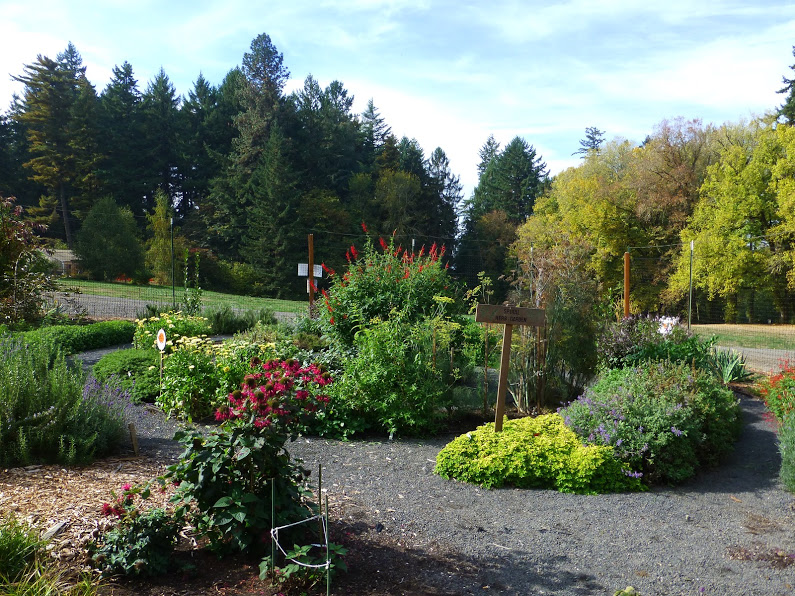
448 73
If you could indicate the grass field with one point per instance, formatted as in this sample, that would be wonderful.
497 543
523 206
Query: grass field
774 337
163 295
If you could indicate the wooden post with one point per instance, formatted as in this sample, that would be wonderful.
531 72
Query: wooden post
626 284
311 275
502 388
508 316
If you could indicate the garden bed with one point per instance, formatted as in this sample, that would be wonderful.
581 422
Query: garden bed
410 532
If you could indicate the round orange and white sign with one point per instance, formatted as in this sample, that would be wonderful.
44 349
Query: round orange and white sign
161 340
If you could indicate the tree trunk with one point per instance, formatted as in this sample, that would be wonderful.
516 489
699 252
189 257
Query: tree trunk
65 214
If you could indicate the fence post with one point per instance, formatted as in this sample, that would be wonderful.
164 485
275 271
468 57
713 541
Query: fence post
173 291
311 240
626 284
690 298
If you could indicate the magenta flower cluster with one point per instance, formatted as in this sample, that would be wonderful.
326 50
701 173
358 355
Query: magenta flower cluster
279 393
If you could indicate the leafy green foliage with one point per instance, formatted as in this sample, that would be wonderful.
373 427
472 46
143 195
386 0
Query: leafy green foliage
533 453
136 371
778 392
46 412
72 339
304 566
175 324
107 244
786 446
729 366
663 420
634 340
190 383
20 548
399 380
224 320
141 542
225 480
379 282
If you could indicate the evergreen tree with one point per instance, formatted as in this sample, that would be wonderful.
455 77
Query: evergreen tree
591 143
107 244
123 171
159 259
787 109
55 93
375 132
446 193
160 111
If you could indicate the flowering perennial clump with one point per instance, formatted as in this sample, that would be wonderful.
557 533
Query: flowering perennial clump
281 393
778 391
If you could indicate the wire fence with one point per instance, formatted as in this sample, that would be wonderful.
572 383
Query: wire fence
751 313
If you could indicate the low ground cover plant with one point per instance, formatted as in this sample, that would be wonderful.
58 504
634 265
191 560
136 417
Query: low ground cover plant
135 370
47 412
534 453
786 446
663 420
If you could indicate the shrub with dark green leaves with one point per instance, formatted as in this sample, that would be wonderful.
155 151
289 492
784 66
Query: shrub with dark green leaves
72 339
533 453
47 414
662 420
136 371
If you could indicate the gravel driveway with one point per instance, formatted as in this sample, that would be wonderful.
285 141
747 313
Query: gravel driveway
727 532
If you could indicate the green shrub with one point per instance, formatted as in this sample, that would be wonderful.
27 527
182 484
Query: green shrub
20 548
533 453
380 282
136 371
175 324
190 383
224 320
141 542
778 392
633 340
46 412
786 446
395 382
663 420
225 480
72 339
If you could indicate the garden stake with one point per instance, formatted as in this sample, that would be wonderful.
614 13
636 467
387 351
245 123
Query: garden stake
320 496
328 556
273 524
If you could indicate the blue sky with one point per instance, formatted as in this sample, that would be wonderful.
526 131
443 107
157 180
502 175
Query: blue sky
449 73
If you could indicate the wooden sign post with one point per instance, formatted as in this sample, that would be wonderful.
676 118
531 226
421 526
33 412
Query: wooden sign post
508 316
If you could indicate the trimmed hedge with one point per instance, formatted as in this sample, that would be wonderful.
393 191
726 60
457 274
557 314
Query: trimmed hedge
72 339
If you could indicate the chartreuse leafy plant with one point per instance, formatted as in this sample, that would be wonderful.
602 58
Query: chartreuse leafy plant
662 420
136 371
225 480
534 453
786 446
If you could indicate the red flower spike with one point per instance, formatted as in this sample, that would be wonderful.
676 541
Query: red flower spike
364 228
354 252
312 284
348 255
406 275
383 243
328 270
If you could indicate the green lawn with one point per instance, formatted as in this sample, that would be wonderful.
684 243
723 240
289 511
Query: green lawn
776 337
163 295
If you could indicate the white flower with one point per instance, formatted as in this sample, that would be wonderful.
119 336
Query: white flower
667 324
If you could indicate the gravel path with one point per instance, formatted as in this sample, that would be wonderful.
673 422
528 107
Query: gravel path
727 532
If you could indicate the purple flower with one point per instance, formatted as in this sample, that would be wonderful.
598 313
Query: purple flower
676 431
